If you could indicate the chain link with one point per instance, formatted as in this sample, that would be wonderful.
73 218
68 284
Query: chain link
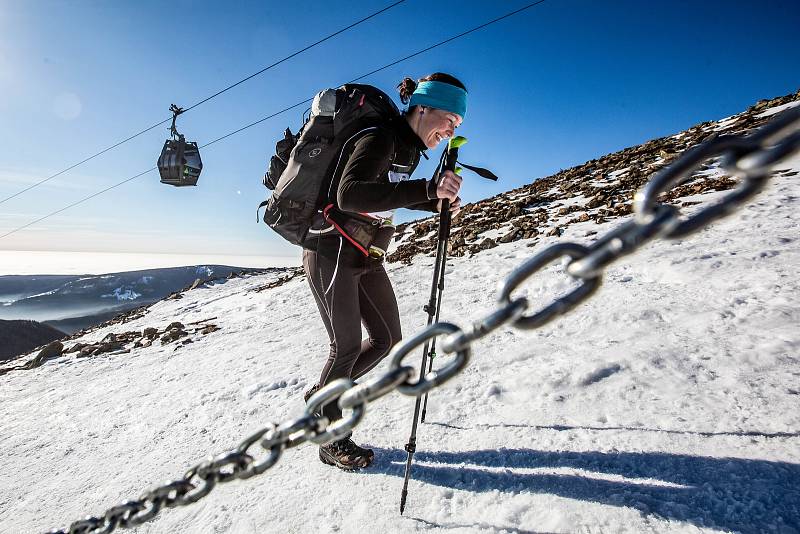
750 158
560 305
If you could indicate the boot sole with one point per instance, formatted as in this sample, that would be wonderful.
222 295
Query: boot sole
325 458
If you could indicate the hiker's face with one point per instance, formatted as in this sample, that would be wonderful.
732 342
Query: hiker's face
436 125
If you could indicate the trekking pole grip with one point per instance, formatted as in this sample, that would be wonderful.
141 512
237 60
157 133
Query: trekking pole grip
449 164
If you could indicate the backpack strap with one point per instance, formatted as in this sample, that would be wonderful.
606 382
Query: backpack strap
347 146
258 209
353 228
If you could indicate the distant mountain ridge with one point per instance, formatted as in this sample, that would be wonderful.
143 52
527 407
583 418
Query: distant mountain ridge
19 337
72 303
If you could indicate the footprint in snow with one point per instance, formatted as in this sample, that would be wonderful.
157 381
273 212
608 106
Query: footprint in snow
600 374
257 389
769 254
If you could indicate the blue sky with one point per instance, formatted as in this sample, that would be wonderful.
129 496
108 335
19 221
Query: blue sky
561 83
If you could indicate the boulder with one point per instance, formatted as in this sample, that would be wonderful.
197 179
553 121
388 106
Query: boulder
142 343
87 351
51 350
197 283
209 329
110 338
150 333
487 244
108 347
173 335
508 237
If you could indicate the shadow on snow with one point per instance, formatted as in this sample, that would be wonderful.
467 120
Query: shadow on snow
733 494
566 428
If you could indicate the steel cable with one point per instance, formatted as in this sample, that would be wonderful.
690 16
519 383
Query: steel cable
203 101
293 106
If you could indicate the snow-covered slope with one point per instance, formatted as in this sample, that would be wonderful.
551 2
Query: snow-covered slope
670 402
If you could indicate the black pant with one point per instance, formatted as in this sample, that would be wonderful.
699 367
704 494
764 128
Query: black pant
350 289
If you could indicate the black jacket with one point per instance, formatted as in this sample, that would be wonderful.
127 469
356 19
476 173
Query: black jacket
365 186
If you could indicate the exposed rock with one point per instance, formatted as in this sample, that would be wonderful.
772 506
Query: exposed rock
173 334
197 283
280 281
75 348
108 347
100 348
142 343
209 329
86 351
110 338
507 238
51 350
150 333
486 244
203 321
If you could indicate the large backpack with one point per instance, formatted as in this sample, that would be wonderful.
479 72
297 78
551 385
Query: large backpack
302 172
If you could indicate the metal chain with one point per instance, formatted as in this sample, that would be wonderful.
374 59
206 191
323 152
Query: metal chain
750 158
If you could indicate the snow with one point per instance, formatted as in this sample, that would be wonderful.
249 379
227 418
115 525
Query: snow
492 234
203 270
669 402
122 294
777 109
611 179
51 292
724 124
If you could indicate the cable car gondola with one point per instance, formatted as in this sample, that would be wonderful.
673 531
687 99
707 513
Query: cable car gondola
179 163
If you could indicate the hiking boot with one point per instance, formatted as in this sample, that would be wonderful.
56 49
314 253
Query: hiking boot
346 455
307 394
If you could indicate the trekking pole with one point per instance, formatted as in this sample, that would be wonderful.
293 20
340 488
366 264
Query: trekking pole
483 173
432 352
448 164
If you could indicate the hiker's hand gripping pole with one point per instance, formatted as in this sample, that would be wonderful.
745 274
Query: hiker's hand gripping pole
448 164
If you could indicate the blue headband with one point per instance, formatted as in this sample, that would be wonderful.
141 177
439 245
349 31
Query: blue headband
440 95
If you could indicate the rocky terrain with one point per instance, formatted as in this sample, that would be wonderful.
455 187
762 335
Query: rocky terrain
122 342
599 190
76 302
